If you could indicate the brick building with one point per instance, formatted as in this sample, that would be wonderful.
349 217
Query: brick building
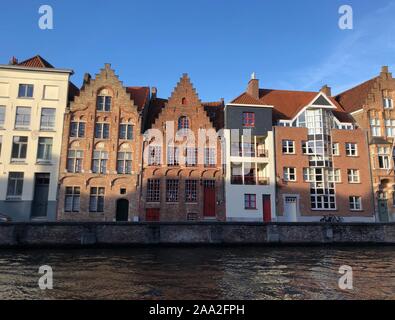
182 177
372 106
322 161
101 151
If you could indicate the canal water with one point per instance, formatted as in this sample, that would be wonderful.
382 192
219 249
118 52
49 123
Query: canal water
200 273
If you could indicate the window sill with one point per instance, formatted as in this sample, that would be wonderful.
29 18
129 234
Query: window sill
44 163
23 163
22 129
13 199
26 98
251 209
48 130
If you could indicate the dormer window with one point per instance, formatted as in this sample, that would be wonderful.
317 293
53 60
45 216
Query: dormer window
183 123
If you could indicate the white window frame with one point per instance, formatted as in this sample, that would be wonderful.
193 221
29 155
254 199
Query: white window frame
287 174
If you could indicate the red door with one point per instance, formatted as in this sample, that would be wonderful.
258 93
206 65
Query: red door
152 215
267 209
209 202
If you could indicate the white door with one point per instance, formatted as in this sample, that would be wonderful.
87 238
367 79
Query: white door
290 209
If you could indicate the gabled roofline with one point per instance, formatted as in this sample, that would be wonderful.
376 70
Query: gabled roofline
249 105
22 68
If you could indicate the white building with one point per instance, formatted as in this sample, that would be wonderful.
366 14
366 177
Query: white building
250 181
33 100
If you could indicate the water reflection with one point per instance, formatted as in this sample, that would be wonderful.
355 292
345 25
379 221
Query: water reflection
199 273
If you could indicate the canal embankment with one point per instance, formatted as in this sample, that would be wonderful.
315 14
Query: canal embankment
73 234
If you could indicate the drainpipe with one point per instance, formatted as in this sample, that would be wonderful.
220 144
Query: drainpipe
371 178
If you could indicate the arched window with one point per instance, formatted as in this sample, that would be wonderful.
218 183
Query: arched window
184 101
183 123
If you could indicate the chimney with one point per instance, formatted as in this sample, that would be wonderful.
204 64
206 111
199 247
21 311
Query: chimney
13 61
87 78
154 92
253 86
326 90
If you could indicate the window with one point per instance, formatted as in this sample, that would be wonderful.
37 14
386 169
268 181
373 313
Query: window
102 131
2 116
25 91
171 190
351 149
153 190
1 144
248 119
388 103
355 203
22 119
191 191
375 127
353 175
288 147
183 123
47 121
289 174
335 149
333 175
74 161
384 158
323 202
126 132
308 147
191 159
154 155
390 128
103 103
173 156
19 148
72 199
250 201
77 129
210 157
15 185
308 174
96 200
124 163
99 164
44 150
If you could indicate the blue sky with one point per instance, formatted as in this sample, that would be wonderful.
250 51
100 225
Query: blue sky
289 44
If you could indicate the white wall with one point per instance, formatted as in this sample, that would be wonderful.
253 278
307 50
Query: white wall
39 78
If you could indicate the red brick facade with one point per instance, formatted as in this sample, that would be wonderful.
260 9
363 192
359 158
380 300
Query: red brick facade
344 189
207 181
108 194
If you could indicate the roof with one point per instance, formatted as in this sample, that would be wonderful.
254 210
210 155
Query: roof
354 98
246 99
140 95
287 104
36 62
73 91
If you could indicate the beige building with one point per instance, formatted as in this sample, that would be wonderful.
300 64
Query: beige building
33 100
372 106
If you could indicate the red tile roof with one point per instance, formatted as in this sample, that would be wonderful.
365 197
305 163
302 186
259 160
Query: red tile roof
140 95
36 62
355 98
245 98
287 104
